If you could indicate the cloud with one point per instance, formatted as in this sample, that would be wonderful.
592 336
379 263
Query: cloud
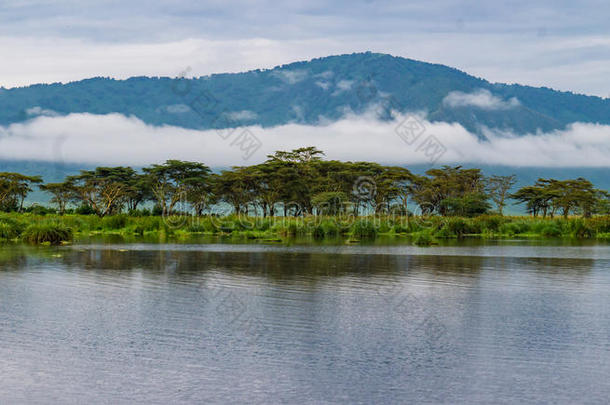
323 85
291 76
326 75
244 115
36 111
177 108
299 112
481 98
343 85
118 140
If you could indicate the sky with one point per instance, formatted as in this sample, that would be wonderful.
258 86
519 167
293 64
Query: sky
555 43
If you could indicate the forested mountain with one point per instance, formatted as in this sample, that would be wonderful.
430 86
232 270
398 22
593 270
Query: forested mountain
312 92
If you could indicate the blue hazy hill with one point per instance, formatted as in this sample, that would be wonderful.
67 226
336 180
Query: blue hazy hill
307 92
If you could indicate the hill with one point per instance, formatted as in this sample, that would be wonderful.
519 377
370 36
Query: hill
311 92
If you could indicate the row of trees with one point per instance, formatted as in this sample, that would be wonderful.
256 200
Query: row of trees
549 196
300 182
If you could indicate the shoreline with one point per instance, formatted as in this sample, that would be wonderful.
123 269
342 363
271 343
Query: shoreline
422 231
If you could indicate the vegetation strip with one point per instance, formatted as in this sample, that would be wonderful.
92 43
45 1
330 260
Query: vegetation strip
299 193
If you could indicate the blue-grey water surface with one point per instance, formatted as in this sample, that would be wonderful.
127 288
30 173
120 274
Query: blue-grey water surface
139 323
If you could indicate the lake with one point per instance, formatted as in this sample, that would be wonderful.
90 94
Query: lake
499 322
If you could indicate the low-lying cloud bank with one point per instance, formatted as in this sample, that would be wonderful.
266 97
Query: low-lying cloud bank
481 98
115 139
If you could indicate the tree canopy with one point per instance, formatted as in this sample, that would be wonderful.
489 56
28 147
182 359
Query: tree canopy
301 182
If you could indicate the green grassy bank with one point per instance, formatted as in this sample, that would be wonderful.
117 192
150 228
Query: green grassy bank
55 229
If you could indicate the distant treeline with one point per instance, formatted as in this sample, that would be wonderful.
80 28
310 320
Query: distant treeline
301 183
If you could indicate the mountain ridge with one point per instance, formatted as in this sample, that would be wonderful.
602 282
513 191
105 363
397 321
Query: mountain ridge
311 92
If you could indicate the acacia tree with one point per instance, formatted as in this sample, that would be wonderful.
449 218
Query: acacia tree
577 194
401 186
498 188
298 171
548 196
602 206
268 185
14 188
538 198
104 189
232 186
451 191
138 190
177 180
62 193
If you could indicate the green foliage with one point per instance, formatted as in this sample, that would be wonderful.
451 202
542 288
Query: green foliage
329 202
423 238
318 232
148 224
600 224
52 232
39 210
114 222
550 196
14 187
13 225
580 229
400 228
551 230
488 223
295 229
364 228
8 230
84 210
514 228
455 227
331 229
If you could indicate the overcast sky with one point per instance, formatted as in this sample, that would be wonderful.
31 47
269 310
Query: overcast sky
556 43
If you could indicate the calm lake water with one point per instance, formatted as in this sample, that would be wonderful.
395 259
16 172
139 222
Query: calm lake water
220 323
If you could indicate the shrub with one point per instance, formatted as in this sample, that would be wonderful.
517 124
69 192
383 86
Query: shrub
551 230
443 233
513 228
76 222
400 229
14 225
147 224
47 232
198 227
330 228
343 227
140 213
84 210
264 225
295 229
579 229
423 238
456 227
364 228
8 231
114 222
487 223
40 210
157 210
384 226
318 232
600 224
